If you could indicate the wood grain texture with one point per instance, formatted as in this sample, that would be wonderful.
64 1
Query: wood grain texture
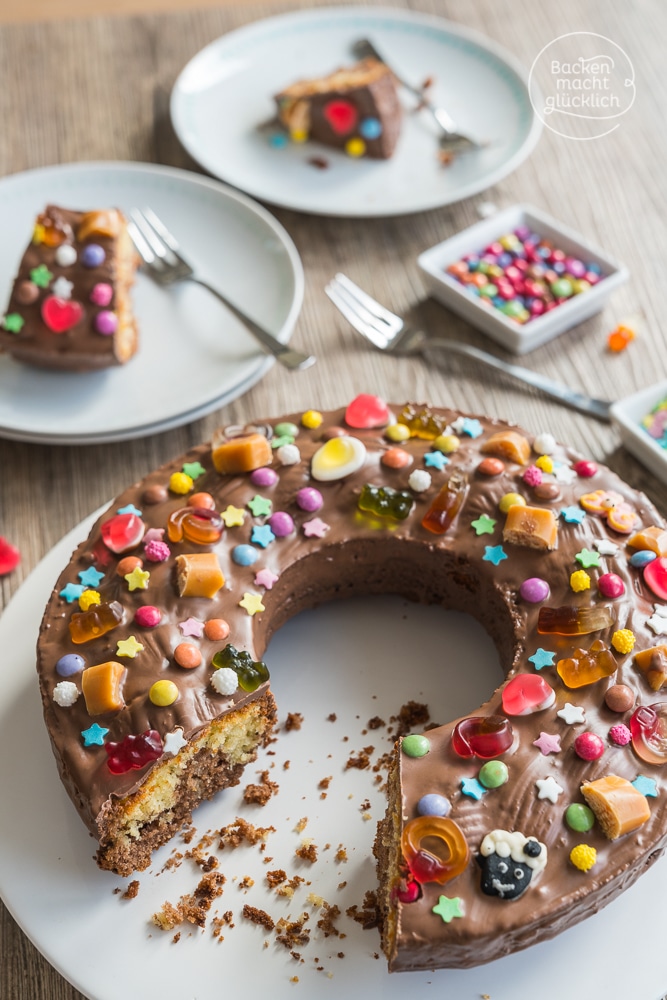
99 88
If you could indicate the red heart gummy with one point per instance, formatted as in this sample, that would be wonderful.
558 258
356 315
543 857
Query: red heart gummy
655 577
367 411
10 556
61 315
527 693
341 115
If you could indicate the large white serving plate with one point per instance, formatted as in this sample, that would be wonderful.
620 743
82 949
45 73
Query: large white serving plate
226 91
194 356
358 660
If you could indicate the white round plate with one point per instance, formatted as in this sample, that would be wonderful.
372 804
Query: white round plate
194 356
357 659
226 92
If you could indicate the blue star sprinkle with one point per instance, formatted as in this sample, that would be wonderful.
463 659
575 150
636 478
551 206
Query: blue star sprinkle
573 515
94 736
72 592
494 554
473 788
471 427
262 535
542 658
435 460
646 786
129 508
91 577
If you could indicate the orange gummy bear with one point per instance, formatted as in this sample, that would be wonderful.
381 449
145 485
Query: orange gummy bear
102 687
98 620
422 421
240 454
532 527
586 666
508 444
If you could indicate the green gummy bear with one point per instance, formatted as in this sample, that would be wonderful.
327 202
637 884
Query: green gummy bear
385 502
251 673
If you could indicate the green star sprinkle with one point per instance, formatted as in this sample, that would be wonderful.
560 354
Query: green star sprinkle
41 276
484 525
260 506
194 469
588 558
449 908
13 322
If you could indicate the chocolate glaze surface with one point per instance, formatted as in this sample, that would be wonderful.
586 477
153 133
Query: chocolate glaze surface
363 553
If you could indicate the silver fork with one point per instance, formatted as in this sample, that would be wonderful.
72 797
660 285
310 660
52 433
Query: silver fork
452 140
161 253
388 332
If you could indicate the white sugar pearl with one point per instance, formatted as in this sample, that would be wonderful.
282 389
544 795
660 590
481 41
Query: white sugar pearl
544 444
288 454
419 480
65 694
65 255
225 680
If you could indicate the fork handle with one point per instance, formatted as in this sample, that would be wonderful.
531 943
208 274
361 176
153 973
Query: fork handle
598 408
293 360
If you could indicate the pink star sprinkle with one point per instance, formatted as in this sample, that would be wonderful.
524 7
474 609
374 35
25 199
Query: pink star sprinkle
547 743
265 578
154 535
191 627
315 528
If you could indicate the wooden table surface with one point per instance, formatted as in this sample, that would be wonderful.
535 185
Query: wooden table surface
99 89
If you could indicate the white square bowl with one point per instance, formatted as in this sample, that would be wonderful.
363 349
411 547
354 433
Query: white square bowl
627 416
514 336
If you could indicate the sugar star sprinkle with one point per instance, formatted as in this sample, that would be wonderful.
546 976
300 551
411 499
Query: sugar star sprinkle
315 528
41 276
484 525
262 535
13 323
260 506
449 907
233 516
194 469
435 460
573 515
62 288
252 603
658 620
542 658
646 786
265 578
548 788
72 592
153 535
173 741
469 426
472 788
494 554
94 736
191 627
546 743
564 474
91 577
571 714
129 647
588 558
138 578
605 546
129 508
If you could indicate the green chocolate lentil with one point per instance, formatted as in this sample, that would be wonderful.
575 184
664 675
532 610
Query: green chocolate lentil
415 745
493 774
579 817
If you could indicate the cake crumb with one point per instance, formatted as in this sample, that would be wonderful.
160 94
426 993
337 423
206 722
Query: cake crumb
132 890
327 922
332 717
307 852
376 723
257 916
240 830
290 887
368 915
301 824
286 765
293 933
192 907
341 854
260 793
412 714
294 720
275 878
361 760
246 882
176 938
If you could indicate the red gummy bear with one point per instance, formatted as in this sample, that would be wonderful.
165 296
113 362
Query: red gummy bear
341 115
134 751
10 556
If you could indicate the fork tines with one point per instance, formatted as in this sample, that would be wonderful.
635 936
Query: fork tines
363 312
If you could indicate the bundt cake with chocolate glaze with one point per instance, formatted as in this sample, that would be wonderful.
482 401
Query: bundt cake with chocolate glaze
502 828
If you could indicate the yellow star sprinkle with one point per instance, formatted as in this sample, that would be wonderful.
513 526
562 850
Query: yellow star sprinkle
580 580
138 578
129 647
233 516
252 603
88 598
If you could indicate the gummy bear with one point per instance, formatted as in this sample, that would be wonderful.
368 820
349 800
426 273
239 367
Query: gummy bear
251 673
134 752
482 736
97 621
196 524
55 232
385 502
586 666
648 726
446 505
447 854
422 421
569 620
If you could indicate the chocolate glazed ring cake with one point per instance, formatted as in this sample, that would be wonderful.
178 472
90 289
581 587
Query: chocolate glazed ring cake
503 828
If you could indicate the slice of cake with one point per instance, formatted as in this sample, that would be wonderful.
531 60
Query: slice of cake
355 109
70 305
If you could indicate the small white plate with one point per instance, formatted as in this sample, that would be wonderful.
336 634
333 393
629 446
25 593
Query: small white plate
194 356
347 658
513 336
226 91
627 414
